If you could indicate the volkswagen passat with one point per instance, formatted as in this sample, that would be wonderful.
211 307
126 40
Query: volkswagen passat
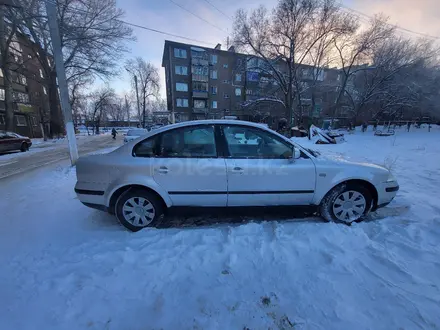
226 163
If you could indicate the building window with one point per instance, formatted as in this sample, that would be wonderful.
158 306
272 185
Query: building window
200 70
181 70
339 77
214 59
238 77
214 104
1 73
20 97
41 73
225 66
21 120
199 86
214 74
214 90
2 94
199 104
21 79
180 53
182 103
181 87
226 95
226 81
237 91
248 91
29 56
44 90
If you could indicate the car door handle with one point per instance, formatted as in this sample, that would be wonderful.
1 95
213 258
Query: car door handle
237 169
162 169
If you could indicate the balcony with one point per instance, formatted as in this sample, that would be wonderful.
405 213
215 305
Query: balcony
200 110
199 77
199 61
200 94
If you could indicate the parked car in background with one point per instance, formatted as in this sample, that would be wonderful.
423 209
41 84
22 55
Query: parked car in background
12 141
133 134
226 163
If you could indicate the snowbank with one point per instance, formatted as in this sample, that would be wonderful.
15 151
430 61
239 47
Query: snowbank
65 266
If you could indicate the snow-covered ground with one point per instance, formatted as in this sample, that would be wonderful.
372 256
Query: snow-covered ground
64 266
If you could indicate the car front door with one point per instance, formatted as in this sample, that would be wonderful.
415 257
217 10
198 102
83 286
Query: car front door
261 170
188 167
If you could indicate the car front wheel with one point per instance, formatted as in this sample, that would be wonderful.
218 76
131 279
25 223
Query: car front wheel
137 209
346 204
24 147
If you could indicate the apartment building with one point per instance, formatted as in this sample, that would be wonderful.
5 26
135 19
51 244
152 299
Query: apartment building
30 93
206 83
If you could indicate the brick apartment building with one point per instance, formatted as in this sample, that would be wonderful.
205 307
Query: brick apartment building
206 83
30 94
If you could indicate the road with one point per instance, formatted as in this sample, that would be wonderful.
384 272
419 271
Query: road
16 163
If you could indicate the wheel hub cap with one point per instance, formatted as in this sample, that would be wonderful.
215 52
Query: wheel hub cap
349 206
138 211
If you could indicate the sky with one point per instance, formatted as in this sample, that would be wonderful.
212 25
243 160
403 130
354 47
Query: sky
422 16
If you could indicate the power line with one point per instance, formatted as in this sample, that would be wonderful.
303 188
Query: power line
201 18
216 8
394 25
165 33
145 27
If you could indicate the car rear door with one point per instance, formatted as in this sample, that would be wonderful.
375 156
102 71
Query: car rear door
189 168
261 172
9 142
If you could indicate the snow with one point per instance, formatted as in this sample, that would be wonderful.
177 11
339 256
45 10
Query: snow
65 266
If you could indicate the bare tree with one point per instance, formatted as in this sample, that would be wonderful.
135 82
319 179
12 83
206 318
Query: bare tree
8 45
355 51
284 40
148 82
100 102
92 39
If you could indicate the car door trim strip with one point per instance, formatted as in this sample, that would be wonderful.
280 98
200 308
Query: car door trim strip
240 192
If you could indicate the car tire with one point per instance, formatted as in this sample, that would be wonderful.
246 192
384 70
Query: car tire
24 147
133 209
336 207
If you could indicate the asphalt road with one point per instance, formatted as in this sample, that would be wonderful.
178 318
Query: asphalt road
17 163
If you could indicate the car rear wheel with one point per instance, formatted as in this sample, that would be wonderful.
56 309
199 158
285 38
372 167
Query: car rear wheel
137 209
346 204
24 147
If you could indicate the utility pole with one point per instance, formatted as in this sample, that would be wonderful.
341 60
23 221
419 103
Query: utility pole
137 97
62 81
127 108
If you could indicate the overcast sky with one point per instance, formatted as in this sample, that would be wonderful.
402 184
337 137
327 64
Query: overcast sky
422 16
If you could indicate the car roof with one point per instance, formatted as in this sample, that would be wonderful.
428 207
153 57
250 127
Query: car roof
209 122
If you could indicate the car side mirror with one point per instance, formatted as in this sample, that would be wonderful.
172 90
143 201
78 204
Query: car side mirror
296 153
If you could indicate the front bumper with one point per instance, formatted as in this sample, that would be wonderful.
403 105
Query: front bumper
386 193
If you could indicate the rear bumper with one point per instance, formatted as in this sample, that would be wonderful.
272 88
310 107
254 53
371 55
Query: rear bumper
90 195
96 206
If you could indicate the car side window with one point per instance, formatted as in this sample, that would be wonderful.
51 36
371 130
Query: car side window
188 142
249 142
146 148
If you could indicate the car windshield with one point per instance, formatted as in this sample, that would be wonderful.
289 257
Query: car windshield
137 132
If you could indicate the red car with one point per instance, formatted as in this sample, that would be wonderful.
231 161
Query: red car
12 141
